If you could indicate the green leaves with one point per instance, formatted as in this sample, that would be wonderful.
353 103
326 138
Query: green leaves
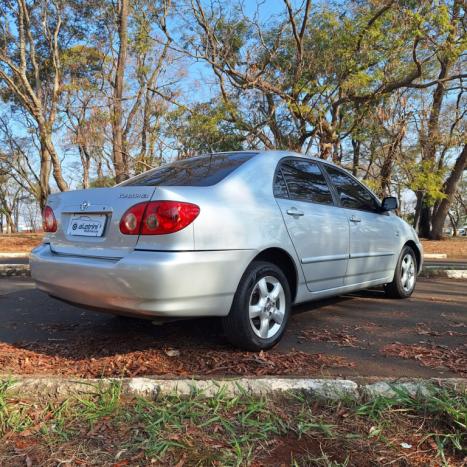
429 180
204 128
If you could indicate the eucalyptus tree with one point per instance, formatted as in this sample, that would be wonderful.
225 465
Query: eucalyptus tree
130 42
33 35
310 77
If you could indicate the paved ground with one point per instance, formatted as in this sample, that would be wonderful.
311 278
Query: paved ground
14 260
365 333
447 263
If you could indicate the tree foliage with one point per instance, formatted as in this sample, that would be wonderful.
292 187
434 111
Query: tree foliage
103 90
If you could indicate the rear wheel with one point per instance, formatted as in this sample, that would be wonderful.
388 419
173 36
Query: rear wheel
260 309
405 276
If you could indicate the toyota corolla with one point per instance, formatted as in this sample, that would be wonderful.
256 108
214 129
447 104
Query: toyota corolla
241 235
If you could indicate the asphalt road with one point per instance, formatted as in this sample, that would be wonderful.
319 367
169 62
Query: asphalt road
447 263
356 327
14 260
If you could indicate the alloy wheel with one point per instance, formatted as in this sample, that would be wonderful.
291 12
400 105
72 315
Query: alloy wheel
267 307
408 272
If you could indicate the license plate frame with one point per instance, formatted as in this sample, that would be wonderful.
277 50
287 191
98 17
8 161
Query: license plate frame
87 225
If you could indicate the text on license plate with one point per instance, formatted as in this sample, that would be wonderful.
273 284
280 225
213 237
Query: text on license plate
87 226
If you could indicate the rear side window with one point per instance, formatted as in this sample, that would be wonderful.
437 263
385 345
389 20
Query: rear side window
197 171
280 187
304 181
351 193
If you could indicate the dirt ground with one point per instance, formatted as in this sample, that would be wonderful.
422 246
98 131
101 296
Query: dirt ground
453 247
19 243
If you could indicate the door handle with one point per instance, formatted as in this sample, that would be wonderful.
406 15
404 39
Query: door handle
295 212
355 219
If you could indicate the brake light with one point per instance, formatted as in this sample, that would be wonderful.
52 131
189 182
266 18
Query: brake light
158 217
49 223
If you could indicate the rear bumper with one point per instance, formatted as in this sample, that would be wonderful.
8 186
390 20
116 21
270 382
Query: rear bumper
145 283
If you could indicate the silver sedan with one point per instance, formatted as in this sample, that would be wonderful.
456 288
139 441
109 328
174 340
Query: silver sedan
241 235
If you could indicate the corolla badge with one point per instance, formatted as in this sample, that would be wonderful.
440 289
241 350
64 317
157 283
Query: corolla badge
84 205
133 195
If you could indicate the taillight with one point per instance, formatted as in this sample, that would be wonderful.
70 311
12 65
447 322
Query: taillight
49 223
130 224
158 217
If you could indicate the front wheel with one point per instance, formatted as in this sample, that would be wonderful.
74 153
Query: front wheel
260 309
405 275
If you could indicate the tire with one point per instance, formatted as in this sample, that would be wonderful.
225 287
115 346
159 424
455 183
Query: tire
405 275
257 319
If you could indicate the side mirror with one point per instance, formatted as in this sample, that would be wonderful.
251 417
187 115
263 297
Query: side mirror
389 203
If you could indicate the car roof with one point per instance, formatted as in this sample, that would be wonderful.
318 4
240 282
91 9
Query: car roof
276 154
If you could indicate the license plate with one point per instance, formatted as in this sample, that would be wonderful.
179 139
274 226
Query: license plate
87 226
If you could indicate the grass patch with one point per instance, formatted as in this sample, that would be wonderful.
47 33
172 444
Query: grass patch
106 428
444 411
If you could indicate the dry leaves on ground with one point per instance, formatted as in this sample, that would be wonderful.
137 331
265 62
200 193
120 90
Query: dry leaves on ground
52 358
19 243
341 338
453 247
424 330
433 356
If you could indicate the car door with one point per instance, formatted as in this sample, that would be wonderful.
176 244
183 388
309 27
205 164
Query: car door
319 230
374 239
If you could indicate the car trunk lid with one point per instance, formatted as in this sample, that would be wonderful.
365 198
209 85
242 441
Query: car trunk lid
88 221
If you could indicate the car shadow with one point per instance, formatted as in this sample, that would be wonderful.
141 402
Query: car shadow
59 329
42 335
34 322
377 293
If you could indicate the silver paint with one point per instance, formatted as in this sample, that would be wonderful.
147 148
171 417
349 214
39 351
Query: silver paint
196 271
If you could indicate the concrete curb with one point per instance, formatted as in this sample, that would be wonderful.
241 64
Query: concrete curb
435 256
456 274
449 273
14 255
328 389
15 270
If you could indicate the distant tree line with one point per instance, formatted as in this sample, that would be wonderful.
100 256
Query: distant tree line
94 91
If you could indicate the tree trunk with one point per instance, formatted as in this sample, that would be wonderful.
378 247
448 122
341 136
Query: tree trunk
44 175
418 209
356 156
99 170
450 188
453 224
143 159
388 164
424 228
10 222
119 158
86 164
56 165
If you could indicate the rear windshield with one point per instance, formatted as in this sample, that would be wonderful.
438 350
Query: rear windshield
197 171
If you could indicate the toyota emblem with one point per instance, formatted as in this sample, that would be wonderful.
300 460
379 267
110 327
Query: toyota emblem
84 205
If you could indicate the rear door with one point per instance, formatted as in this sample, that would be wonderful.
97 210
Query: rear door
374 239
319 230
